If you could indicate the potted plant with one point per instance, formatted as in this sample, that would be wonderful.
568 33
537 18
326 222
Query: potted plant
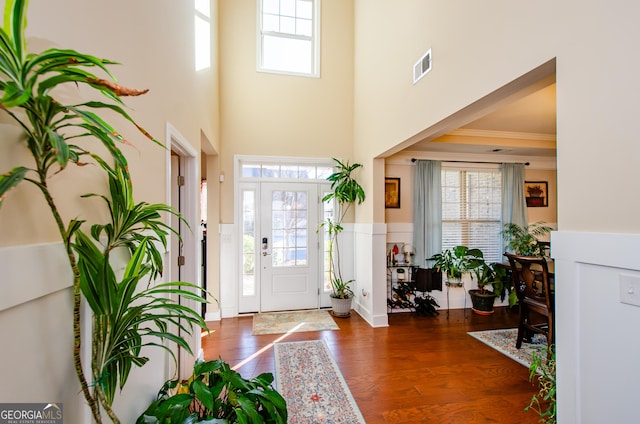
128 310
544 401
455 262
524 240
487 274
217 394
346 191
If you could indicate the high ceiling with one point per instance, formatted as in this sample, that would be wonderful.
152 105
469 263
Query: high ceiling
525 127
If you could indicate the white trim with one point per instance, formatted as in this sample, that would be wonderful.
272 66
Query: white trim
191 243
51 275
213 316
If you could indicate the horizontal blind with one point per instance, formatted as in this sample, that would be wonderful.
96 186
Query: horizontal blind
471 210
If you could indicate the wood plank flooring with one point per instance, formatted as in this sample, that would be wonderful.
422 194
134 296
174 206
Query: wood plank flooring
418 370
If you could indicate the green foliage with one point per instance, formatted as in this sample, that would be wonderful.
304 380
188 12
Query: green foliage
544 402
59 134
217 394
341 289
524 240
346 191
501 283
127 315
457 260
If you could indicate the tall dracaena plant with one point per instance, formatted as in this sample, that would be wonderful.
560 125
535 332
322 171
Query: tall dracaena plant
346 191
54 132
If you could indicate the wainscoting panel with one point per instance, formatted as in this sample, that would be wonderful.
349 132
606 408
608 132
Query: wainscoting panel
596 335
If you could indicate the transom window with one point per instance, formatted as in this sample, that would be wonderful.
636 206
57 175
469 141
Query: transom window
472 209
288 36
285 171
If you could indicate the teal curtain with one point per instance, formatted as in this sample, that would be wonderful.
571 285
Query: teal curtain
427 210
514 206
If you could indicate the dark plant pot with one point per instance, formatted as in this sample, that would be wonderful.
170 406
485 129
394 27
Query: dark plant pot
482 302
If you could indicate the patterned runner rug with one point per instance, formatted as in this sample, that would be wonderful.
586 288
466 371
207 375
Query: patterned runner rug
310 381
504 341
296 321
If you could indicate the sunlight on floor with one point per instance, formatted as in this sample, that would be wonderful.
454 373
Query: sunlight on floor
267 347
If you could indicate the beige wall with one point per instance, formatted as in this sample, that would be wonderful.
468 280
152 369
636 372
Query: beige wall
473 56
549 213
152 42
277 115
405 212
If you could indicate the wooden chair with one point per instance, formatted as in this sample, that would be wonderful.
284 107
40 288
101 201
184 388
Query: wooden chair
532 284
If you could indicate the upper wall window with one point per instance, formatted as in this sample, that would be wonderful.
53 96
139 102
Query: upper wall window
288 37
202 34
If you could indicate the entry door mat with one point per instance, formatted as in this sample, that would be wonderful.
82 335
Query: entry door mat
293 322
504 341
313 386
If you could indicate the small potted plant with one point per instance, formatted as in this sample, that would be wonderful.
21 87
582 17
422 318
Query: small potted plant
455 262
487 274
346 191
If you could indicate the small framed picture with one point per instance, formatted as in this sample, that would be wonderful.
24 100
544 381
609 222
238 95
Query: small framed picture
392 192
536 194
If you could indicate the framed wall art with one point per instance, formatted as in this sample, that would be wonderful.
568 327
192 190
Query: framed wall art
392 192
536 194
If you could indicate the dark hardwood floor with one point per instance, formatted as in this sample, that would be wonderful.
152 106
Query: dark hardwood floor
417 370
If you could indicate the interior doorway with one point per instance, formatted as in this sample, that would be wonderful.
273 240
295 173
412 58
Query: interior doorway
184 257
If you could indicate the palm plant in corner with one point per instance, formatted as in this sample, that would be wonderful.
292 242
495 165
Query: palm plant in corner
128 312
346 191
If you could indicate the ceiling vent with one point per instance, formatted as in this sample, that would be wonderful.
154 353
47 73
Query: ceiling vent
422 66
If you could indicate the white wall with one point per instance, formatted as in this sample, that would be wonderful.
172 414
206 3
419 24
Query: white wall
596 334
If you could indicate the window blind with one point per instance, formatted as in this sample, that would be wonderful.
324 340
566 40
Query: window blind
471 210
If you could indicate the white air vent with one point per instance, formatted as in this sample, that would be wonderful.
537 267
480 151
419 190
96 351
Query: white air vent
422 66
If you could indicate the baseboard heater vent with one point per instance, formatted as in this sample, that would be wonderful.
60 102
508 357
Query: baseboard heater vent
422 66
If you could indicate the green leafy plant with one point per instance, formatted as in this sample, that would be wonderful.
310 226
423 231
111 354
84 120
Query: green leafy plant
217 394
524 240
346 191
544 401
484 274
457 260
57 135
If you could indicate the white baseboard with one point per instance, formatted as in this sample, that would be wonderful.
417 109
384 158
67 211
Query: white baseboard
212 316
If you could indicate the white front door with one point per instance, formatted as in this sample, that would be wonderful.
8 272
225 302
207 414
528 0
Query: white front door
288 247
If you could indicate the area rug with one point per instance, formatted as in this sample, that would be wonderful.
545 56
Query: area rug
296 321
504 341
310 381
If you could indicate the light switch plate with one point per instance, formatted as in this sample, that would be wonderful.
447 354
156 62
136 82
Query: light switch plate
630 289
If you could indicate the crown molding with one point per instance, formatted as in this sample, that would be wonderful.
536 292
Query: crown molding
467 132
